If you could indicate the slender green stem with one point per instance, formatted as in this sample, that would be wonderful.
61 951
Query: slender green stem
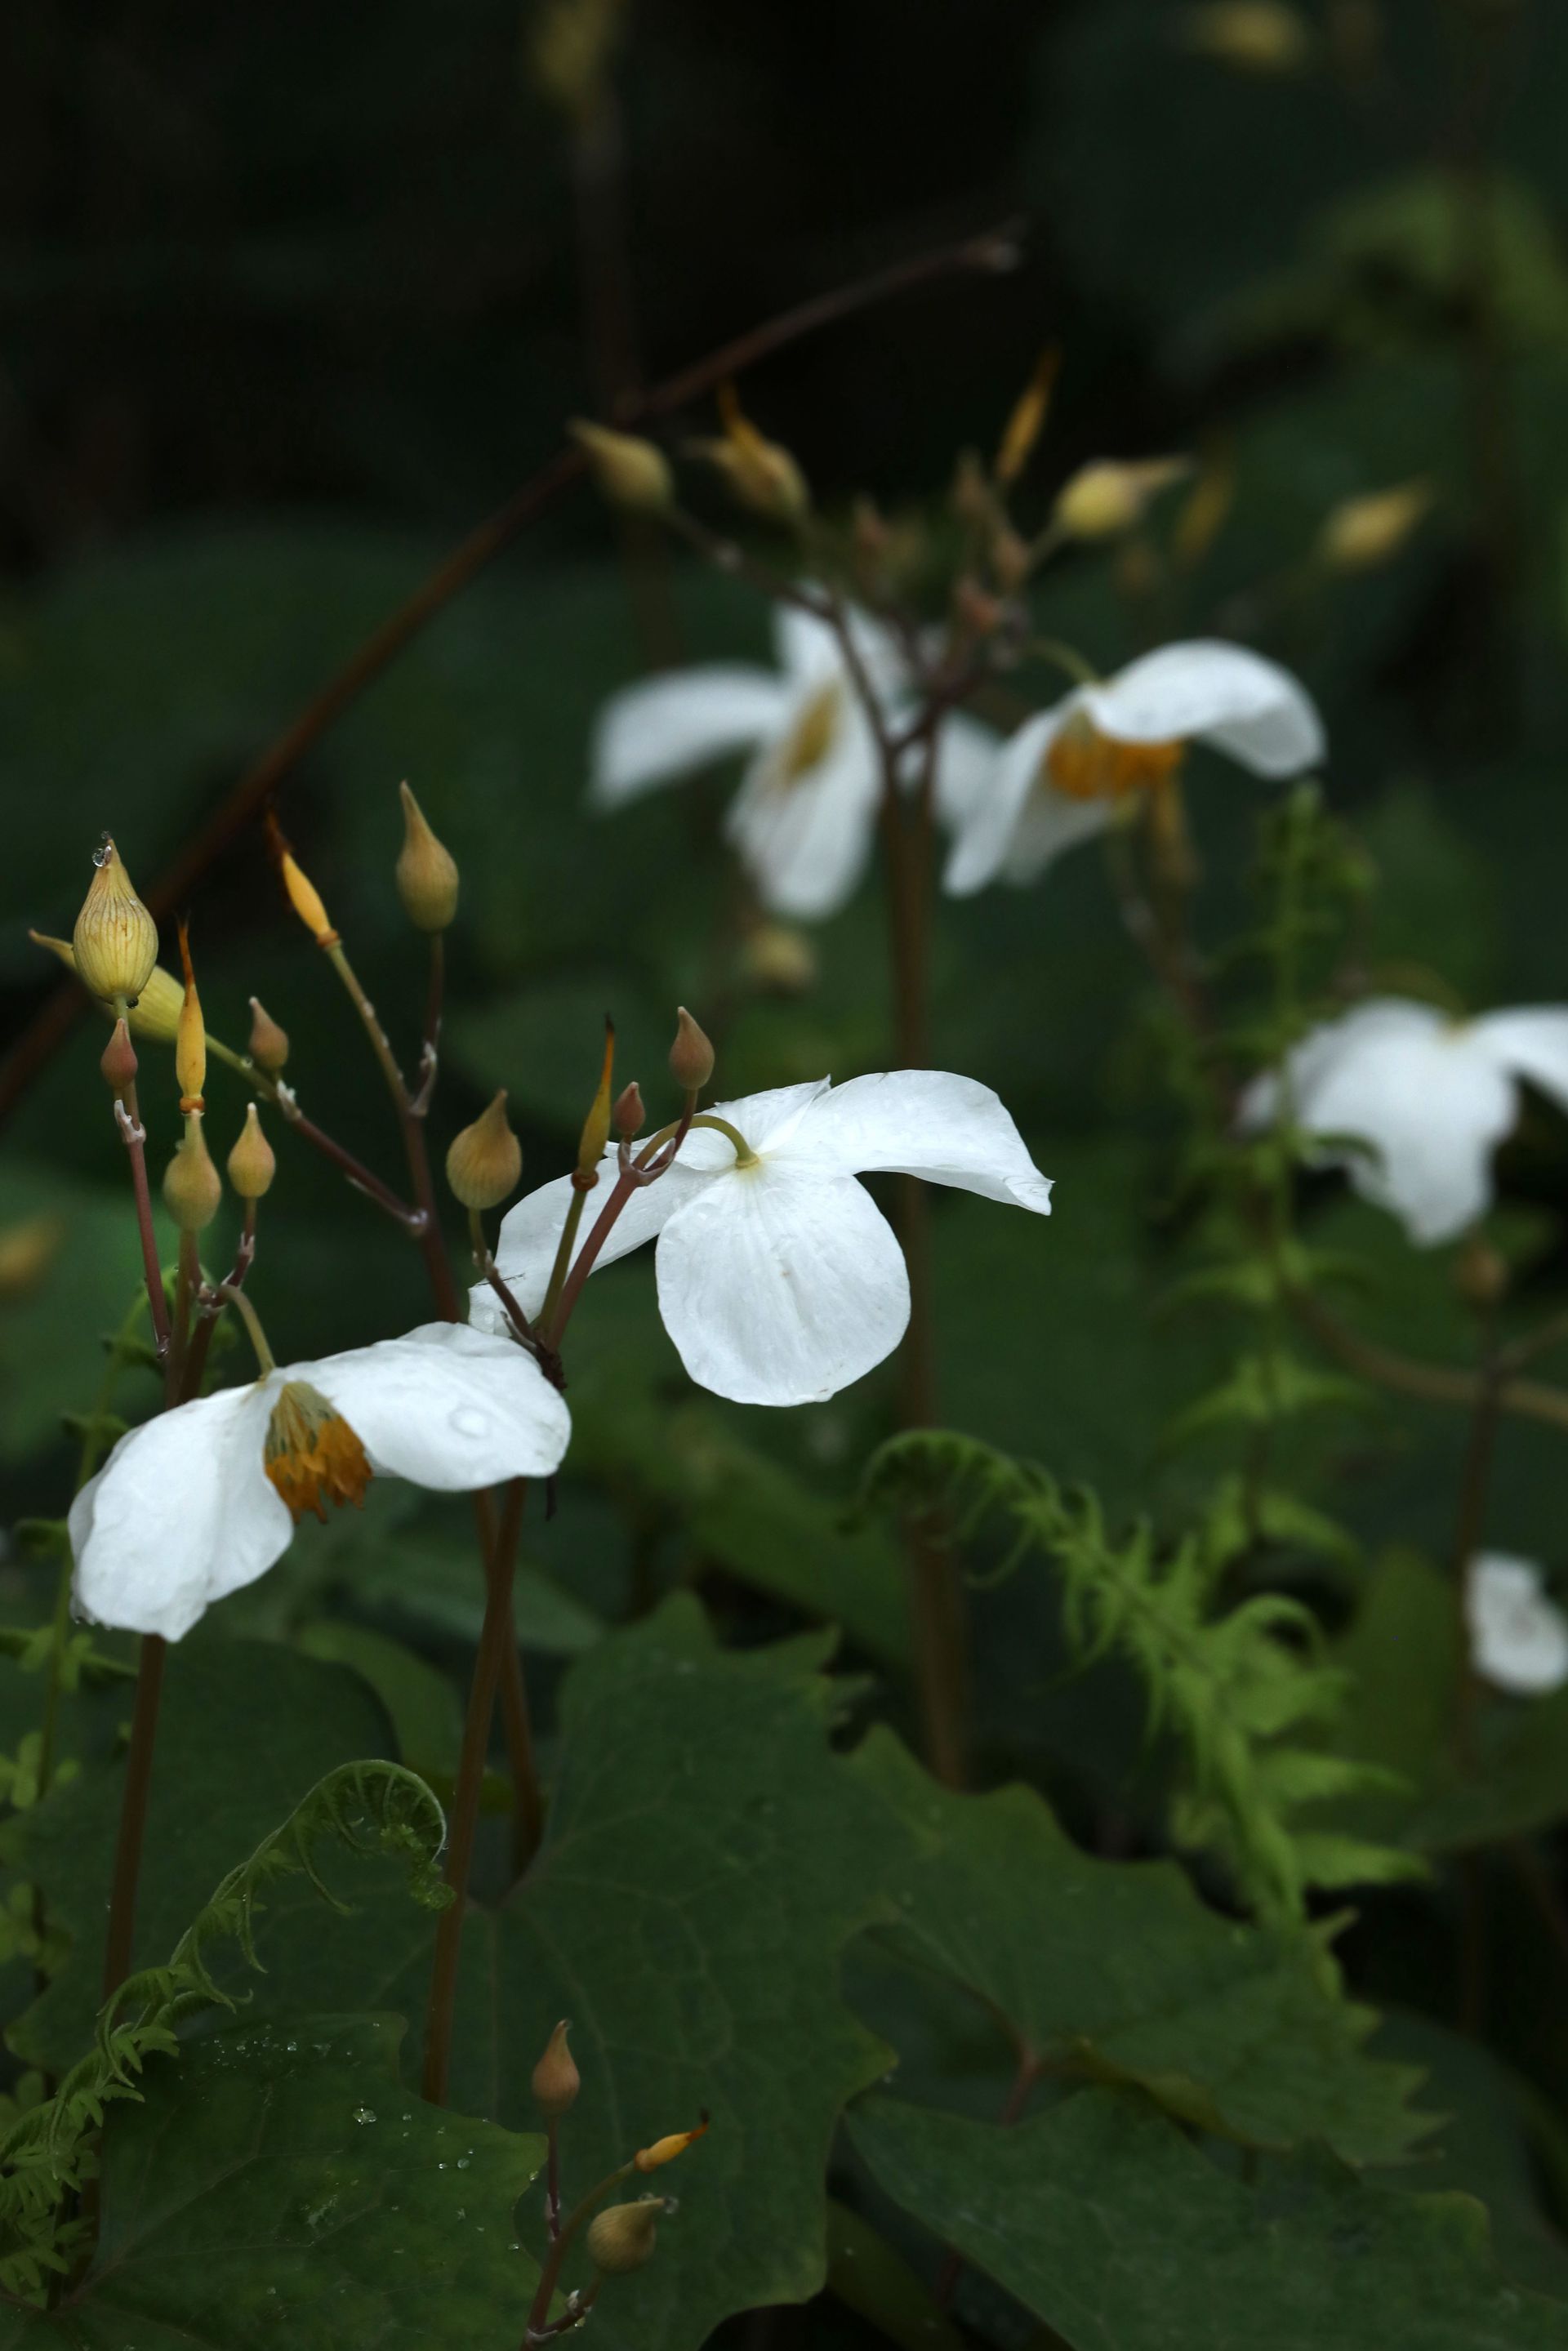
562 1266
235 1297
496 1638
133 1830
538 2326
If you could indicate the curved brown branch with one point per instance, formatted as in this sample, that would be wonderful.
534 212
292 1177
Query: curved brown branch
994 252
1409 1375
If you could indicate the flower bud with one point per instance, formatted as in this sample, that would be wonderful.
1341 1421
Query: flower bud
191 1036
780 958
192 1188
1105 497
251 1163
1262 37
117 1061
1011 559
303 895
268 1046
427 871
115 940
556 2079
1360 534
664 2150
622 2236
628 1115
1025 425
761 475
591 1142
691 1055
27 1250
486 1159
630 472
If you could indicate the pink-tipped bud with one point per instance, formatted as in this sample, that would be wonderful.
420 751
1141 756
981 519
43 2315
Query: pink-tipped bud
691 1055
268 1046
628 1116
118 1061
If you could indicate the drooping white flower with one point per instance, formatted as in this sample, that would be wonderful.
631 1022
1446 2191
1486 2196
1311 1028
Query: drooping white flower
1518 1638
1431 1096
779 1279
803 821
199 1501
1067 772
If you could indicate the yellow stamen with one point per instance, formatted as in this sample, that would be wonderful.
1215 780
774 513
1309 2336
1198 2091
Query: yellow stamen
313 1456
810 739
1089 766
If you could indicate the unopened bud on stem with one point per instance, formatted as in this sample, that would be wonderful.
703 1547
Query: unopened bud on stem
119 1060
192 1188
426 871
777 956
251 1163
486 1159
1108 496
556 2079
664 2150
191 1037
760 473
630 472
595 1135
622 2237
115 941
156 1011
1024 426
303 895
628 1116
268 1046
691 1055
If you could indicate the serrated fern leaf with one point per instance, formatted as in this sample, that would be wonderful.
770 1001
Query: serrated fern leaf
47 2152
1239 1689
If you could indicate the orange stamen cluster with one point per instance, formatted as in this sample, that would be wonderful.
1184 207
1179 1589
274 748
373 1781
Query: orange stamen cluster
313 1456
1089 766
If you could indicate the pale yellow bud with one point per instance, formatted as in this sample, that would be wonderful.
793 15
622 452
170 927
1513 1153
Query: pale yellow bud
190 1036
595 1135
1361 533
115 939
156 1011
251 1164
630 472
1025 425
268 1046
192 1188
777 956
664 2150
691 1055
1205 511
1105 497
760 473
426 871
1262 37
27 1250
306 900
622 2237
486 1160
556 2079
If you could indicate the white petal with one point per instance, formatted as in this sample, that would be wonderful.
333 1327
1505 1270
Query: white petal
806 838
987 833
649 734
531 1232
1215 693
928 1123
446 1406
1518 1638
180 1513
1534 1043
779 1287
767 1121
1425 1094
809 655
967 755
1052 823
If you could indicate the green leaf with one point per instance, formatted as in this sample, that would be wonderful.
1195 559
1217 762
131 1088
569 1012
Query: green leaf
1117 1972
871 2279
281 2185
82 1259
1114 2230
422 1704
245 1731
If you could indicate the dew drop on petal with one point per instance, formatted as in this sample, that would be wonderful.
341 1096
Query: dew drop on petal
469 1420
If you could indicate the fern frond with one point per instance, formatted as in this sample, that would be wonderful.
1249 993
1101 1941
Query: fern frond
1238 1691
46 2153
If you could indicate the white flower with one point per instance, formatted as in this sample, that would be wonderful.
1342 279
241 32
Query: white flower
803 821
779 1279
1063 775
195 1504
1431 1096
1518 1638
